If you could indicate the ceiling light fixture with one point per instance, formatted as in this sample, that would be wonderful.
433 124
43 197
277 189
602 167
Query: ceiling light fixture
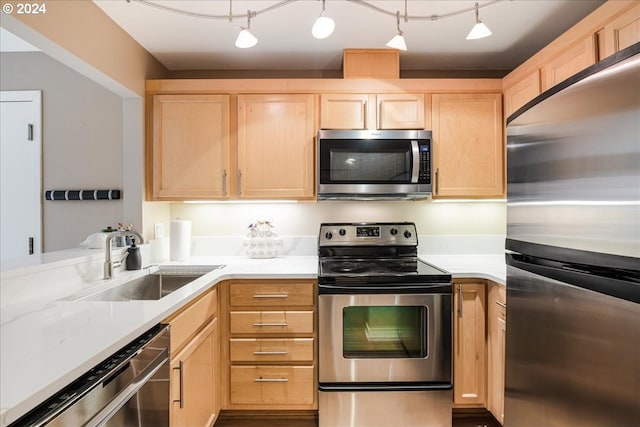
479 31
245 39
324 26
397 42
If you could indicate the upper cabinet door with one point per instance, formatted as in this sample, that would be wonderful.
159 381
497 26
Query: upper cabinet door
577 58
275 146
382 111
401 111
468 145
344 111
189 147
622 32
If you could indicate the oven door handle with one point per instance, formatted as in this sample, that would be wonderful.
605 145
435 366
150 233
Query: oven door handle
105 414
399 288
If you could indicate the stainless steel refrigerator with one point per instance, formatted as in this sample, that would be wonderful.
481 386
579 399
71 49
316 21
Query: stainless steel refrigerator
573 252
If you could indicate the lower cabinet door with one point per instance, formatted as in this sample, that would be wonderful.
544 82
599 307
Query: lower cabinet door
272 385
193 381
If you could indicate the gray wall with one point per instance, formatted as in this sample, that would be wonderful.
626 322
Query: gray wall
81 144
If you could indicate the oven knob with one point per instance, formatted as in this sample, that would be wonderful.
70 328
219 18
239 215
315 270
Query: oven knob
407 234
394 231
328 235
342 232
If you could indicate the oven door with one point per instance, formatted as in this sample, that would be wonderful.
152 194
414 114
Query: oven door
385 338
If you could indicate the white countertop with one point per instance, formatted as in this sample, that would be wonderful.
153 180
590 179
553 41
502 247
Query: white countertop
491 267
47 348
44 350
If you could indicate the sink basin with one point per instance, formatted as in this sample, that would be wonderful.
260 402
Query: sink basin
154 285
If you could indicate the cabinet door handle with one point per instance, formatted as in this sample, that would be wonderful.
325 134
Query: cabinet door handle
283 324
437 179
180 368
271 295
224 182
365 110
270 353
459 300
239 182
501 304
271 380
379 115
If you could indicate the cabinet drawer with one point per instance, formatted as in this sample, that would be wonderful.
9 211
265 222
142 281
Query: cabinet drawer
271 322
274 385
187 322
271 294
271 350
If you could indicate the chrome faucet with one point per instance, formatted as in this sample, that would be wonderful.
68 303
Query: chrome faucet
110 265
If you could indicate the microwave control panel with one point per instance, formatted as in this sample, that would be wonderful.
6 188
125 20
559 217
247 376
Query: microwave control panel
424 175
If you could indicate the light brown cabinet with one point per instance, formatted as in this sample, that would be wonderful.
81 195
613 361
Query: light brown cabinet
367 111
194 362
468 145
521 92
189 147
622 32
270 345
276 146
496 339
578 57
469 368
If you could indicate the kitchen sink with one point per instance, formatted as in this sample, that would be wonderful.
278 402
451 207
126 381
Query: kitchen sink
154 285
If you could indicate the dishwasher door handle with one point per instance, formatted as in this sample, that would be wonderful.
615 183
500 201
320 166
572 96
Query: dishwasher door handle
119 400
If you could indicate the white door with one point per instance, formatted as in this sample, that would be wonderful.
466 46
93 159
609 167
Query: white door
21 180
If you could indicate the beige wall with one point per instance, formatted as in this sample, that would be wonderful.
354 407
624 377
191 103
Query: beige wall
79 35
81 144
83 30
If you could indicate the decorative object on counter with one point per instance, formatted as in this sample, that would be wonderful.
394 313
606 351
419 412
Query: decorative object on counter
180 240
261 241
134 258
82 195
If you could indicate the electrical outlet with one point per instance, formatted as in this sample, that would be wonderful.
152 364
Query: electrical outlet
158 230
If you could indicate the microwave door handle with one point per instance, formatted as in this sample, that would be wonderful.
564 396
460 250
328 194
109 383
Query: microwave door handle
416 162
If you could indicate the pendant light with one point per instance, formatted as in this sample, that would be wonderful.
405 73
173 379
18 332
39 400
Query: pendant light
245 39
397 42
324 26
479 30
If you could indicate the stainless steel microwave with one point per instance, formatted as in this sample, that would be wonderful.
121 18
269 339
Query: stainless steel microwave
374 164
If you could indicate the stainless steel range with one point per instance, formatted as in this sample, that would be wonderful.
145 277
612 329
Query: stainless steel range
384 329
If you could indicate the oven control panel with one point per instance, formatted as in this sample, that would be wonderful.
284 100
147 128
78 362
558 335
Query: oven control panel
355 234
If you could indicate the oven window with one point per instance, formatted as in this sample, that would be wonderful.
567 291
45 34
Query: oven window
381 332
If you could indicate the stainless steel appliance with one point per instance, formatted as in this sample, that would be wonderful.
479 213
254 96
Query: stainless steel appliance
384 329
374 164
573 252
130 389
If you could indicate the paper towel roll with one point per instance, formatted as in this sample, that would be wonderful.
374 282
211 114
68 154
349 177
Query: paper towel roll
180 247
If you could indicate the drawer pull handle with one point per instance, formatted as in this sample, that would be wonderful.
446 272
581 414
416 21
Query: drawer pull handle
271 296
270 353
501 304
271 380
283 324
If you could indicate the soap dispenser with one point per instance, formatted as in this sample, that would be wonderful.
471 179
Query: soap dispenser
134 259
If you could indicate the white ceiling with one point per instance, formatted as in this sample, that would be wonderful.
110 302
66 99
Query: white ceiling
182 42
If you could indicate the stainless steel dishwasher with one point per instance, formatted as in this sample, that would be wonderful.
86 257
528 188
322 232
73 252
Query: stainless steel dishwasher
131 388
